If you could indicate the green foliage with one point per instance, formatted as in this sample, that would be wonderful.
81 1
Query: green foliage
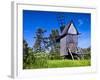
87 56
25 53
62 28
54 56
87 53
29 59
36 60
40 60
53 36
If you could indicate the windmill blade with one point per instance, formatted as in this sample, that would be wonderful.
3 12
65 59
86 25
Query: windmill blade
61 19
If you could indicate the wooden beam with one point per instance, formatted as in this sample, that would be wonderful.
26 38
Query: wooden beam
71 54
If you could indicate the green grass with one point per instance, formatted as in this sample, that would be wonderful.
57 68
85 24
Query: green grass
60 64
67 63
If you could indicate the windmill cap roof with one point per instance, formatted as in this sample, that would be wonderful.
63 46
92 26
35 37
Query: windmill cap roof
66 31
67 27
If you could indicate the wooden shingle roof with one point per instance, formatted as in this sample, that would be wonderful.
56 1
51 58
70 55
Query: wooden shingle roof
69 29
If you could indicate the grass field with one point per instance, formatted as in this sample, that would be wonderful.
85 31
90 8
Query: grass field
68 63
60 64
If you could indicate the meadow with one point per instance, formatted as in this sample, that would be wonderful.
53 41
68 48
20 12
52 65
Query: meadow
68 63
36 60
60 64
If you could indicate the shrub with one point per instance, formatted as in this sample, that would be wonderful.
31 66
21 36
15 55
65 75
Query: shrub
54 56
29 60
35 60
40 60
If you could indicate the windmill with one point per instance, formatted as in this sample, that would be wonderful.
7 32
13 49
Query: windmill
68 39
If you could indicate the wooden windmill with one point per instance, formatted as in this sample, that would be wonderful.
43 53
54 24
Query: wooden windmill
69 41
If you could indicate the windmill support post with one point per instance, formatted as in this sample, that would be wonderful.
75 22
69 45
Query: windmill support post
71 54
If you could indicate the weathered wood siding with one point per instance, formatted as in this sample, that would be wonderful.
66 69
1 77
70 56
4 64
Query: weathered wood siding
71 42
63 46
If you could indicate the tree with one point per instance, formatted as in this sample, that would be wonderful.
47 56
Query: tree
25 53
41 41
28 56
87 52
55 53
62 28
25 50
53 36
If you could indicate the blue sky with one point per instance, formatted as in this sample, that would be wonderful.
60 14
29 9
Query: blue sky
32 20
